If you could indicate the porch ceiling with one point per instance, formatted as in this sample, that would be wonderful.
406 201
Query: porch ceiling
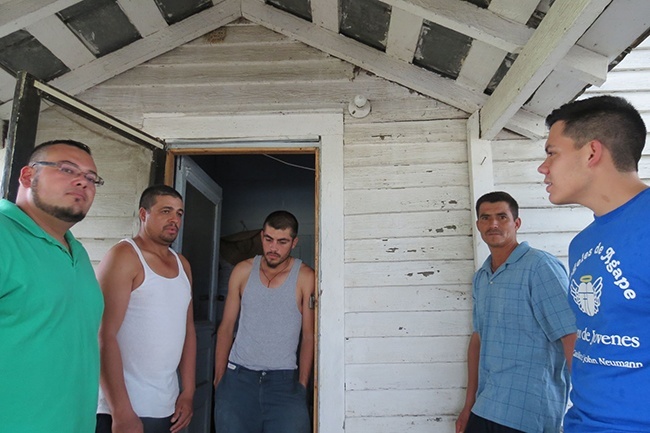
514 60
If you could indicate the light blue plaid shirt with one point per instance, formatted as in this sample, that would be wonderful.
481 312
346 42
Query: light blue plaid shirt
520 313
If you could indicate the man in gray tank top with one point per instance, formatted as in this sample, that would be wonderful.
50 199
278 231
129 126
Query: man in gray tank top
260 381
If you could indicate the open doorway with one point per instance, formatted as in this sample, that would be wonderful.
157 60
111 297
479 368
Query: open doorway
251 185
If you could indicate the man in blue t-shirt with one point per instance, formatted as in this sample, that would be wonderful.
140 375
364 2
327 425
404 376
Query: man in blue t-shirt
593 150
524 331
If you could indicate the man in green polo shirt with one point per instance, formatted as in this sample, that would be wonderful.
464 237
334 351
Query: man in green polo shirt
50 301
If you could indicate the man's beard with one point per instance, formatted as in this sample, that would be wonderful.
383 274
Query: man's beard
62 213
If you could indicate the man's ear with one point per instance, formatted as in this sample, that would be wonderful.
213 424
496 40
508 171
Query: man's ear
596 151
26 176
142 214
294 242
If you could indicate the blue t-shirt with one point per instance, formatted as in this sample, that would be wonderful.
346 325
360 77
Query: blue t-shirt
520 313
610 294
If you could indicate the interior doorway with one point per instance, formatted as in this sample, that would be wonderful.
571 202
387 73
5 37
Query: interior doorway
252 186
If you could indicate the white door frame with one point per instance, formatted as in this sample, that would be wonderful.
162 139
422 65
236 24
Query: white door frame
325 129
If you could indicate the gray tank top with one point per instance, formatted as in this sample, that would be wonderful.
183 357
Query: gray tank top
269 323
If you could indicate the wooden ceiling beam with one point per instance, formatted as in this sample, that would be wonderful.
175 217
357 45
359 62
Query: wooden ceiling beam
403 35
470 20
545 49
144 15
483 60
142 50
18 14
7 85
370 59
57 37
325 13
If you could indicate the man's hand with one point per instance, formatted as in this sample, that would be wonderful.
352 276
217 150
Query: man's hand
128 424
463 418
183 413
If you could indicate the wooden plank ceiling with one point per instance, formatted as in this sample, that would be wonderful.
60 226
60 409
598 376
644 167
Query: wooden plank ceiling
511 60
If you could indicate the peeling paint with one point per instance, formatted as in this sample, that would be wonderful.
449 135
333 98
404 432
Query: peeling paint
427 273
391 250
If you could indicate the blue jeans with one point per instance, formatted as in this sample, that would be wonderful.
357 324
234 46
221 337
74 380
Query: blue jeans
248 401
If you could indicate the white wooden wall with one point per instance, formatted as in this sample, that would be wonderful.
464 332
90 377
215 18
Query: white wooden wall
408 216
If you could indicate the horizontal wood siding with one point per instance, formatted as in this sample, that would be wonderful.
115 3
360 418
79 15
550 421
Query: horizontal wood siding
408 219
408 248
408 254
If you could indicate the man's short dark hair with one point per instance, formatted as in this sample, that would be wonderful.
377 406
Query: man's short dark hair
497 196
280 220
149 195
37 152
609 119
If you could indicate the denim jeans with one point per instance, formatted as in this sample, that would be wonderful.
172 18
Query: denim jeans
248 401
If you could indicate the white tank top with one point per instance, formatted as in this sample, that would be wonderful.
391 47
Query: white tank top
151 341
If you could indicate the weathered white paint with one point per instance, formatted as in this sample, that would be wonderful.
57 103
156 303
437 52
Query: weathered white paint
18 14
469 20
144 15
325 13
481 179
57 37
7 85
538 58
403 34
362 55
393 266
483 59
147 48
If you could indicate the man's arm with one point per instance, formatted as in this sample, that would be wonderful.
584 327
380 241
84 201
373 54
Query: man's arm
306 284
473 352
569 343
116 274
226 330
187 367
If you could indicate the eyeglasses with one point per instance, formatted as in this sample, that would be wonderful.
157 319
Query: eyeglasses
72 170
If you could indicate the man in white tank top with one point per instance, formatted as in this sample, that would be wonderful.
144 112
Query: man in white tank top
147 331
260 385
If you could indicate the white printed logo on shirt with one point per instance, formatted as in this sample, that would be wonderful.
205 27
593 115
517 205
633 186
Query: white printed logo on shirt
587 294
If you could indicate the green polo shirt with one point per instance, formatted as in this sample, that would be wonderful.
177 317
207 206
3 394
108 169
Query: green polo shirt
50 310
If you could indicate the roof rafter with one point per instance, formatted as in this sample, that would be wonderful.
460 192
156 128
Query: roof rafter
470 20
403 35
372 60
545 49
325 13
57 37
18 14
142 50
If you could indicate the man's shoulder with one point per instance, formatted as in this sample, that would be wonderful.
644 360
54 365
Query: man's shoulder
120 254
306 270
244 267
